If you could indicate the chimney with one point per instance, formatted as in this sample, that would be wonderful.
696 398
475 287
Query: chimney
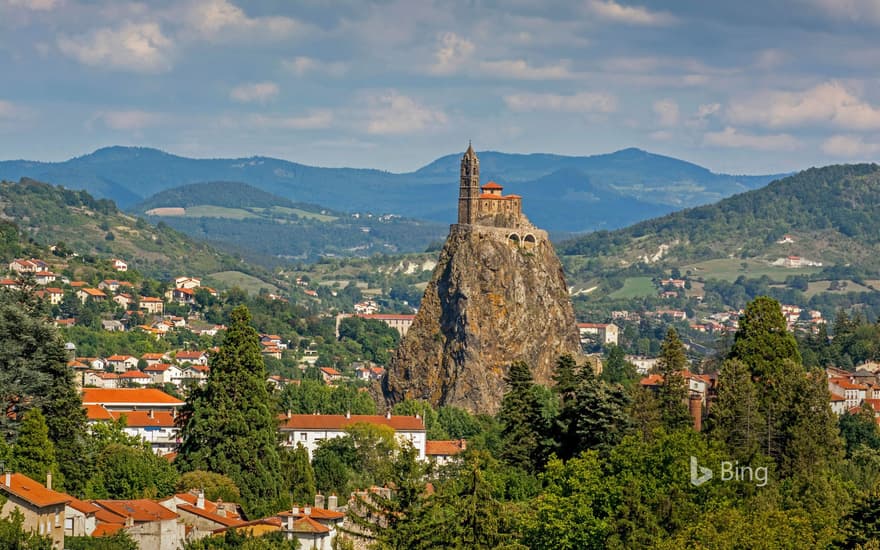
388 414
462 443
295 511
347 414
9 479
332 502
49 480
289 414
290 522
307 511
151 413
695 406
319 501
200 500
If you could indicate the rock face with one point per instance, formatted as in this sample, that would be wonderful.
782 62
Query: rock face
498 295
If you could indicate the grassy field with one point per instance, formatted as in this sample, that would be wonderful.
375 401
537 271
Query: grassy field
635 287
730 269
203 211
303 214
819 287
249 284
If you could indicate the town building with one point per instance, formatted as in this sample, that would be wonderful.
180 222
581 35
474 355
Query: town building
310 429
42 508
604 333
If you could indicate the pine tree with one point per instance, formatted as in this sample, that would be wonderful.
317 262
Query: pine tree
228 426
299 474
673 393
565 425
763 342
33 453
523 428
602 420
617 369
736 418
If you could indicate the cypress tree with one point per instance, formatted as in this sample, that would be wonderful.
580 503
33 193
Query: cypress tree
736 418
229 427
522 424
300 475
33 453
763 342
673 393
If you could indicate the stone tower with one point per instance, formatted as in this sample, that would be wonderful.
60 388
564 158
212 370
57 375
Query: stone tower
469 187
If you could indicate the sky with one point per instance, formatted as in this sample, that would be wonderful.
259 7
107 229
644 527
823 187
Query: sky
742 87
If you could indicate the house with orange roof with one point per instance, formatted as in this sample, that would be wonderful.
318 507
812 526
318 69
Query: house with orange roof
838 404
852 392
158 428
271 351
124 300
152 305
153 358
309 429
187 282
122 363
193 374
134 377
131 399
164 373
85 294
330 375
79 518
150 524
311 526
119 265
183 296
444 451
111 285
53 294
605 333
192 357
201 516
100 379
42 508
43 278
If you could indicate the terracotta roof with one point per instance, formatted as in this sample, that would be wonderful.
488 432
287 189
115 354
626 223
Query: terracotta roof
314 513
82 506
651 380
106 529
77 365
170 456
144 396
134 373
97 412
53 290
340 421
330 371
151 299
78 284
106 516
189 354
444 447
140 510
119 357
847 385
158 367
152 356
94 292
33 492
222 520
275 522
143 419
498 197
835 397
491 185
306 524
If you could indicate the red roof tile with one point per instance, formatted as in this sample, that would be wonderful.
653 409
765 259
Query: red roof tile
97 412
82 506
143 419
146 396
444 447
33 492
222 520
140 510
492 185
314 513
106 529
340 421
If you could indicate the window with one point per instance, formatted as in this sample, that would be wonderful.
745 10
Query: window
303 436
68 524
57 519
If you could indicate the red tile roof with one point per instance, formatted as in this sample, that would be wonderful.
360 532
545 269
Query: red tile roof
82 506
150 299
94 292
492 185
134 374
274 522
32 492
140 510
308 525
146 396
119 357
106 529
314 513
330 371
222 520
340 421
189 355
158 367
143 419
97 412
444 447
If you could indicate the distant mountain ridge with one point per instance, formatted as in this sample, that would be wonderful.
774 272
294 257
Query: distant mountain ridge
657 184
829 214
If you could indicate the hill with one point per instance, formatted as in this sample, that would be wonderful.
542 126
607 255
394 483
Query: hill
46 215
271 230
828 215
129 175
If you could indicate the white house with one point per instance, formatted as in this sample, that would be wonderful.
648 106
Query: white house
192 357
122 363
310 429
605 333
119 265
164 373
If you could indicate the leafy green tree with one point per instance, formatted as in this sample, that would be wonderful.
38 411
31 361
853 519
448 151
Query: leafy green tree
523 427
119 540
33 454
861 526
299 475
330 463
673 393
216 486
234 540
735 417
229 425
617 370
860 429
14 536
123 472
412 407
457 422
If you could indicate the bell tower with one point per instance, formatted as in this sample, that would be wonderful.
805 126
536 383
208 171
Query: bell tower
469 187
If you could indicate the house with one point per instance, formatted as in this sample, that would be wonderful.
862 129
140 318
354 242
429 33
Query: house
134 377
152 305
162 326
54 295
90 294
163 373
786 239
193 374
271 351
122 363
130 399
312 527
330 375
64 323
98 379
272 340
79 518
183 296
124 300
43 509
368 373
109 284
78 284
28 266
175 320
674 283
153 358
158 428
838 404
643 364
9 284
444 451
150 524
112 325
119 265
853 393
201 516
187 282
278 382
309 429
192 357
43 278
310 292
605 333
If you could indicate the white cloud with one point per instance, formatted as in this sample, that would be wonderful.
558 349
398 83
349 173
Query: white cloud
829 104
853 11
666 111
521 70
708 109
393 113
313 121
302 65
770 59
35 5
135 47
260 92
632 15
128 120
734 139
849 147
583 102
452 52
218 18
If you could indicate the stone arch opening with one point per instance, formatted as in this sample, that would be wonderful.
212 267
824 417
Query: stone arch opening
513 239
529 241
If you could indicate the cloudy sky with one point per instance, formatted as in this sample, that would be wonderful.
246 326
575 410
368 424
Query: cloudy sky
752 86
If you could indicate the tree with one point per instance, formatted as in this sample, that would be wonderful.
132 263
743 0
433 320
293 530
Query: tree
860 429
33 454
523 427
229 425
299 475
617 369
123 472
763 342
216 486
119 540
736 418
14 536
673 394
